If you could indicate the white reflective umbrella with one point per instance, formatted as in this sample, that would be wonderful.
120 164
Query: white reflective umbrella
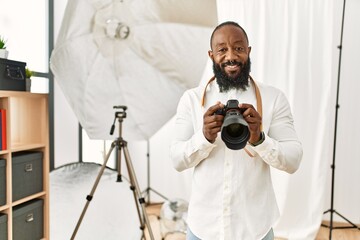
140 53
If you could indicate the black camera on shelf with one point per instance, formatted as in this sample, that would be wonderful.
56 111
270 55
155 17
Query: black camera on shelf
234 130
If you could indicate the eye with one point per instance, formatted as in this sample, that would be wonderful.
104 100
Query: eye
240 49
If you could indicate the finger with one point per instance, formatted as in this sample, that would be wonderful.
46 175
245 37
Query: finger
213 131
214 118
248 110
210 131
249 115
213 109
253 118
253 121
253 124
246 106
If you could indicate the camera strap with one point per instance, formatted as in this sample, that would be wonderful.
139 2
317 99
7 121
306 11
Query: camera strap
257 94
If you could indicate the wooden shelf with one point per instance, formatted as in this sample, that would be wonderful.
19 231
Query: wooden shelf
27 128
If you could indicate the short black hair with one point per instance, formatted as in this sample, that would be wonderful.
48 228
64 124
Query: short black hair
227 23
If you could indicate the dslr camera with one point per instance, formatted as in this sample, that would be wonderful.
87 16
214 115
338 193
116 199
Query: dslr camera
234 130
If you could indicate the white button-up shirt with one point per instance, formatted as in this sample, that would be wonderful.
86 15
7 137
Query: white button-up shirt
232 195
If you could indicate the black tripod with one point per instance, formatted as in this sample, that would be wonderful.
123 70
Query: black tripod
332 210
121 144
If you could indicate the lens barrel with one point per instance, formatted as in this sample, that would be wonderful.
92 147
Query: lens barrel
234 130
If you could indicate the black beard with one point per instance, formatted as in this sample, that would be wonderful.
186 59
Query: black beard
225 82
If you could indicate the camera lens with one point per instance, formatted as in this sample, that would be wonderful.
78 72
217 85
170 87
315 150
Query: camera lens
235 131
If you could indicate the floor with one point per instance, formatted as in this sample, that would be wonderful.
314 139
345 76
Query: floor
113 208
338 234
323 234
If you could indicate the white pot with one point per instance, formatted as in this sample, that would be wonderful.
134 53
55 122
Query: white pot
28 84
4 53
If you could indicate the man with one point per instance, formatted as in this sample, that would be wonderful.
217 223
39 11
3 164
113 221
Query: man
232 194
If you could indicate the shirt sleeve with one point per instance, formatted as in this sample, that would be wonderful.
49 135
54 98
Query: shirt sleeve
189 145
281 148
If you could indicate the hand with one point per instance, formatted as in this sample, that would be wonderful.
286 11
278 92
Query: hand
253 118
212 122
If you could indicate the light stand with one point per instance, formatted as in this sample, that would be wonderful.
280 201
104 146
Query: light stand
332 210
148 189
121 145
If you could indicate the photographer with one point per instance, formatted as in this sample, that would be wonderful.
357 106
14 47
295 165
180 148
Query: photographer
232 194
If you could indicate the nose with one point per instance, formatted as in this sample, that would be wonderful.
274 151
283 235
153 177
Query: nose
231 55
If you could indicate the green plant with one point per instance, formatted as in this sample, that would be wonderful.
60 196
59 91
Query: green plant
2 43
28 73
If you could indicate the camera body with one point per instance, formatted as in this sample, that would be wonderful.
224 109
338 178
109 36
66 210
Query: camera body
234 130
231 105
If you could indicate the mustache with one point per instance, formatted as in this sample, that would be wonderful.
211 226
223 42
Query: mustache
232 63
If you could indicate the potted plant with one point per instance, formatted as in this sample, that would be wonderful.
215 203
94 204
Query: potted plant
28 74
3 52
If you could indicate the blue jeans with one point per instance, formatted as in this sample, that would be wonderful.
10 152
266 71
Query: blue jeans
191 236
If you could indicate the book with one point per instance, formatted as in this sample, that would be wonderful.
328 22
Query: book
1 148
3 129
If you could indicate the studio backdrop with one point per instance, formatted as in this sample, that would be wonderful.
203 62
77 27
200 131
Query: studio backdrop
294 48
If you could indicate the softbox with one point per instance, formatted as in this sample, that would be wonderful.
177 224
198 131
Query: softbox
139 53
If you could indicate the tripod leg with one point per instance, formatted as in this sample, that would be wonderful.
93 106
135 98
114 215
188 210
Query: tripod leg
90 196
118 164
132 187
137 192
353 225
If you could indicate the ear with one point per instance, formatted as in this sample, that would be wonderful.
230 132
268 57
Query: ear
211 54
249 50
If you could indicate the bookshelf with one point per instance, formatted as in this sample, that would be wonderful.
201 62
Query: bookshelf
27 129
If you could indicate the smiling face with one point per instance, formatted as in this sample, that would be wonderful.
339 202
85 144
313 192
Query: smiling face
230 55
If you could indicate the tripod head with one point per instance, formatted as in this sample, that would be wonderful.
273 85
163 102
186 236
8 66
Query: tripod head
120 115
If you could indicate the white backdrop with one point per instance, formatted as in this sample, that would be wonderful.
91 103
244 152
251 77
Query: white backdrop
294 47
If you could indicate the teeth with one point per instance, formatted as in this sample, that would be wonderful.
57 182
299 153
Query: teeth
232 66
